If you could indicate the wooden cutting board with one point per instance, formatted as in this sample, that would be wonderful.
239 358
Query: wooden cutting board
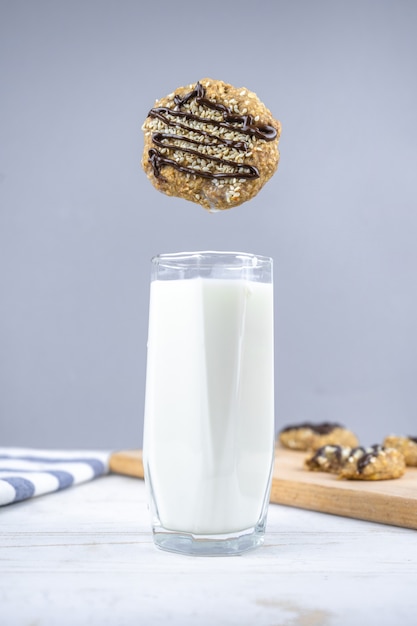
386 501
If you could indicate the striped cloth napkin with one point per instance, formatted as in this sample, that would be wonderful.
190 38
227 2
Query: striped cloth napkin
29 472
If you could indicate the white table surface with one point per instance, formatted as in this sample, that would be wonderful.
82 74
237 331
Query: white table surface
85 556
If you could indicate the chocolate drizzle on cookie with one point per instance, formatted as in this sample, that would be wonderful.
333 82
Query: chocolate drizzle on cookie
368 457
324 451
329 458
179 118
320 429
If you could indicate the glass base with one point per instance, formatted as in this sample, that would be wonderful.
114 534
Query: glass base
233 544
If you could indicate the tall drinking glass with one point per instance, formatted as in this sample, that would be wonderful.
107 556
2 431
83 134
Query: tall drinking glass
209 409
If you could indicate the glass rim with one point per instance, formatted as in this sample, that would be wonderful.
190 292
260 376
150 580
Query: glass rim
181 259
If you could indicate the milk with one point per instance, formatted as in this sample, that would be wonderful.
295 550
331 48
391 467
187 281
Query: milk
209 411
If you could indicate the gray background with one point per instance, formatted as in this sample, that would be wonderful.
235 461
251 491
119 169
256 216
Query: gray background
79 221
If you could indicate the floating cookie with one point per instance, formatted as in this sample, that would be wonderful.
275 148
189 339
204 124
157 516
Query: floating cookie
309 436
406 445
328 459
374 463
210 143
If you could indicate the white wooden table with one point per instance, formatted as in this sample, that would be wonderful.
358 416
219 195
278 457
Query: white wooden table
85 556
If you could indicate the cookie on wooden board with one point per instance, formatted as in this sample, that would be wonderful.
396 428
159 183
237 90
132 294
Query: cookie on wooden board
311 436
406 445
328 458
374 463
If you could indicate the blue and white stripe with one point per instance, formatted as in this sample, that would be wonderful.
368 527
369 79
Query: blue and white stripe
29 472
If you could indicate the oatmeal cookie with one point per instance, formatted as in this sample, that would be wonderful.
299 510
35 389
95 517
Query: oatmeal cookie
406 445
211 143
328 459
374 463
309 436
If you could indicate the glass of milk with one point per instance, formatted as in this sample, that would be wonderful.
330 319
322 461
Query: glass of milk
209 408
